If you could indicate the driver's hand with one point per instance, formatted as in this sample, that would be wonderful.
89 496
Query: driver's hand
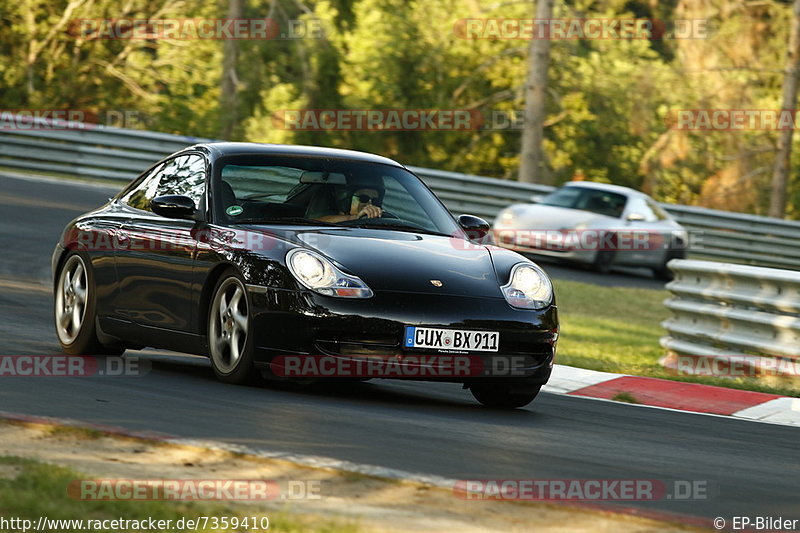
370 211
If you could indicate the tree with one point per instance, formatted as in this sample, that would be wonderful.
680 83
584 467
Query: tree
780 169
230 82
533 164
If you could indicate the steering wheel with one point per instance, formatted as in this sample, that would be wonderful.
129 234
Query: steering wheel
384 214
384 218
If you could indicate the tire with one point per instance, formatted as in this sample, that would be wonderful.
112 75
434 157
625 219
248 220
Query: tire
603 261
75 309
500 396
663 272
230 343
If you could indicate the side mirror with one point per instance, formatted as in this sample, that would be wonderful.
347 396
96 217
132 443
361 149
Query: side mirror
476 228
173 206
635 217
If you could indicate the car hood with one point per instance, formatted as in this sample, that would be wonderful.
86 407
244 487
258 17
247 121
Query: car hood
408 262
549 217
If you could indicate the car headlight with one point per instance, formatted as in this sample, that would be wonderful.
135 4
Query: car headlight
506 216
528 287
321 276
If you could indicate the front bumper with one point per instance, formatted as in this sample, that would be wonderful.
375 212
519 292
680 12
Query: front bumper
288 322
521 240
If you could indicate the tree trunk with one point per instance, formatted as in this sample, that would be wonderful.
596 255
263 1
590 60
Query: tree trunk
782 165
228 91
532 160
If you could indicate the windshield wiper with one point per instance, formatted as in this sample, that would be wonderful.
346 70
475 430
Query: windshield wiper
396 227
297 221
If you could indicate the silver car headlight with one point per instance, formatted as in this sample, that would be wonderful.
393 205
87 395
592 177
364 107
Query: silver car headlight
321 276
506 216
528 287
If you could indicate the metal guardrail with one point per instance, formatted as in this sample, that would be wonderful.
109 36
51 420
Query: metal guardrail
115 153
89 150
740 238
477 195
725 314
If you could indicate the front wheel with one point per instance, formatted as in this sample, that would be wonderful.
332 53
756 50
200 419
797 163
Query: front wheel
603 261
502 396
230 343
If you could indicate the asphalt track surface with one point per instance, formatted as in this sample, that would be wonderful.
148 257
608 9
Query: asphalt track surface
750 469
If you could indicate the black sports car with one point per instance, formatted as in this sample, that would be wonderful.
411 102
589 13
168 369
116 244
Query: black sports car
268 257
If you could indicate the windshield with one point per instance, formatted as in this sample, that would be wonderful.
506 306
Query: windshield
292 190
594 200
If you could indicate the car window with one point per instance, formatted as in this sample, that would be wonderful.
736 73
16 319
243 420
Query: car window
271 183
594 200
397 202
270 188
564 197
184 175
657 210
644 208
140 196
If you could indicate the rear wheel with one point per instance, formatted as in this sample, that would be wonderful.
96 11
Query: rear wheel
75 310
663 272
230 343
501 396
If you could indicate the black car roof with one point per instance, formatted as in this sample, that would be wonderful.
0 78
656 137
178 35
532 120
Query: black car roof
219 149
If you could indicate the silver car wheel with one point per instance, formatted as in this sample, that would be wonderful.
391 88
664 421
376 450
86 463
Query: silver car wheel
228 324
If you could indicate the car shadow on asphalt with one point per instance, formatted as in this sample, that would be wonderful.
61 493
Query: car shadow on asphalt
397 393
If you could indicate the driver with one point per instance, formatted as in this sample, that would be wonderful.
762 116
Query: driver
363 198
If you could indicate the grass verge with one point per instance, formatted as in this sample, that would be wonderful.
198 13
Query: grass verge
30 490
617 329
625 397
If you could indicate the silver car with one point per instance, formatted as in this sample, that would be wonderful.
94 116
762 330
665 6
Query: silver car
594 223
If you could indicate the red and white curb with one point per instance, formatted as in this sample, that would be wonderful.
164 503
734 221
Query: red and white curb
692 397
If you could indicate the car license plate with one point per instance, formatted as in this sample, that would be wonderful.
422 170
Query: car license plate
451 339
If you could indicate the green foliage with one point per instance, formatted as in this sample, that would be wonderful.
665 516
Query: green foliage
42 490
608 100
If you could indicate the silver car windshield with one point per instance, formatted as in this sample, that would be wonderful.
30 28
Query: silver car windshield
593 200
